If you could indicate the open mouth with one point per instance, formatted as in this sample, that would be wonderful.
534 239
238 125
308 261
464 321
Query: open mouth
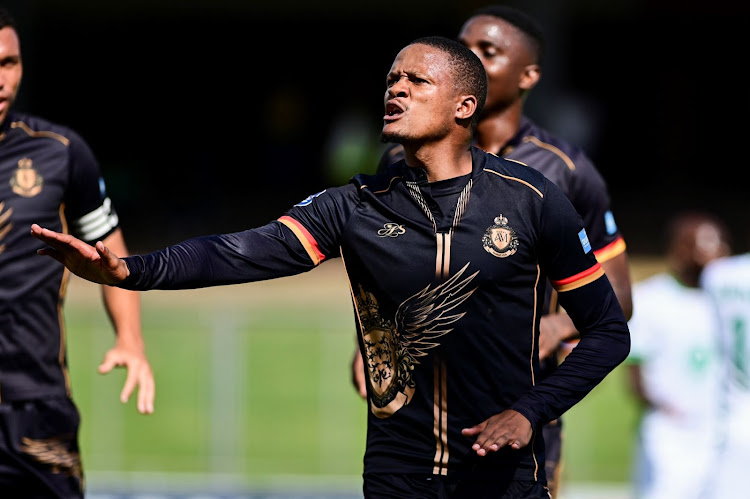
392 111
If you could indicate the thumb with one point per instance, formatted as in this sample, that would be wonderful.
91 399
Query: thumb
107 364
473 431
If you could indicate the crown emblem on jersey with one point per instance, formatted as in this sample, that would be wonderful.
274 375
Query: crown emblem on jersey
369 312
500 239
26 181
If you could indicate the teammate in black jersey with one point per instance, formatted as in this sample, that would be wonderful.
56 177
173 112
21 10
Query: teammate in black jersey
510 44
48 174
448 255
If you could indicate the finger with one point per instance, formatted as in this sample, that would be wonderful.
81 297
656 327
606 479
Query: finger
490 441
129 386
53 253
50 237
146 395
107 364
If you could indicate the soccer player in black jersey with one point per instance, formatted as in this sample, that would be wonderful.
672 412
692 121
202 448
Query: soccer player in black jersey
448 256
510 44
49 174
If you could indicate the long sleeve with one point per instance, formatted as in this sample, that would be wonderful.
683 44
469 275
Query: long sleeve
604 344
258 254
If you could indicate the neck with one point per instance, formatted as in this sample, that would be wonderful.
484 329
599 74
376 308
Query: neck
686 278
498 126
441 160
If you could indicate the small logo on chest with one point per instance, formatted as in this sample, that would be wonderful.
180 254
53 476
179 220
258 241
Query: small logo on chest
26 181
391 230
500 239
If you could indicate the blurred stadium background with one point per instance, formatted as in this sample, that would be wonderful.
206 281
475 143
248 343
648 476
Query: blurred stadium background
217 115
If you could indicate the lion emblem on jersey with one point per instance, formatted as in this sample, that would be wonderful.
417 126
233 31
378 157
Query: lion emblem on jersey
393 347
500 239
26 181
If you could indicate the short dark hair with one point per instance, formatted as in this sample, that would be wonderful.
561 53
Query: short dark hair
527 24
468 71
6 20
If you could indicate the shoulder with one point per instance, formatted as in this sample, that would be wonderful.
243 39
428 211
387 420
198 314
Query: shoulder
654 284
512 170
727 268
552 154
381 182
36 127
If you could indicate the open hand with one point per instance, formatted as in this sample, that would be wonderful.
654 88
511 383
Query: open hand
95 264
507 429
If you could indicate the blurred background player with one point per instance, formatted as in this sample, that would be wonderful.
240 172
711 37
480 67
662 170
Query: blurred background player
510 44
48 172
727 281
674 366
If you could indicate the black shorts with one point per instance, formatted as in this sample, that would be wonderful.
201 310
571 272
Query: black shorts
39 456
412 486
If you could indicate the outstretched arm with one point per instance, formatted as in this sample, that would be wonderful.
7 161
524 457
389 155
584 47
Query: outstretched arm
124 311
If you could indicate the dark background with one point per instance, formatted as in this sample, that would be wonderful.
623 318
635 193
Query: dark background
215 115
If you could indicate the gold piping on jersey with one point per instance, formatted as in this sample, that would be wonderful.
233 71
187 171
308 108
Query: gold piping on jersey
390 184
60 300
533 331
533 454
446 255
440 416
33 133
552 149
514 160
439 242
517 180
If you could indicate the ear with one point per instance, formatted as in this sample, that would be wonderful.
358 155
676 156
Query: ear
466 106
530 77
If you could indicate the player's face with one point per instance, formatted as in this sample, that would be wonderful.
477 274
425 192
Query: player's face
420 98
506 58
10 69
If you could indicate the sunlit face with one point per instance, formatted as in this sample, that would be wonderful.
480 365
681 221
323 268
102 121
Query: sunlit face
501 48
11 69
421 96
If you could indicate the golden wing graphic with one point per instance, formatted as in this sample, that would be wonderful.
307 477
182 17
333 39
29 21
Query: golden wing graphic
54 453
5 226
391 348
425 316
